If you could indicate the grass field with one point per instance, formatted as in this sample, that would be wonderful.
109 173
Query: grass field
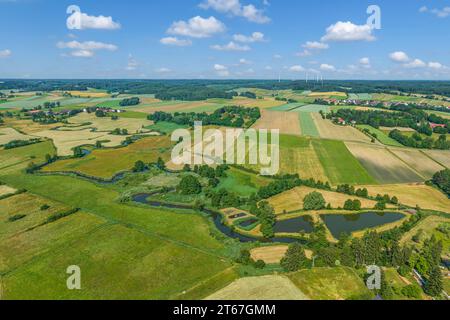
130 257
339 164
242 183
105 163
292 200
286 122
360 96
328 130
18 158
428 228
166 127
384 166
329 283
286 107
414 194
308 124
316 108
299 156
381 136
260 288
117 262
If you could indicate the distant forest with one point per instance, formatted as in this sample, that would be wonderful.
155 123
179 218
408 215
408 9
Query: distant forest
204 89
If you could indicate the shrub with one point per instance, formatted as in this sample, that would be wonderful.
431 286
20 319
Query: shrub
412 291
190 185
16 217
259 264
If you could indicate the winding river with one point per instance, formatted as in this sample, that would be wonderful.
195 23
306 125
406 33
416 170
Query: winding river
143 198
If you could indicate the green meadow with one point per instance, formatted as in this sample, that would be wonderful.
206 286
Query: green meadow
340 165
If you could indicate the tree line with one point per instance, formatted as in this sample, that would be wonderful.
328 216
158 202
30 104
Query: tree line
232 116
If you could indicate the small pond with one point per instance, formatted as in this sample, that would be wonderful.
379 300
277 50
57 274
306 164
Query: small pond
248 223
143 199
295 225
349 223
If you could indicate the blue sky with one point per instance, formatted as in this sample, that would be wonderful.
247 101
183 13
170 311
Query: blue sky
224 39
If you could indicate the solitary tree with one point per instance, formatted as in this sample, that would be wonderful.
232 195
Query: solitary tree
190 185
314 201
434 284
295 258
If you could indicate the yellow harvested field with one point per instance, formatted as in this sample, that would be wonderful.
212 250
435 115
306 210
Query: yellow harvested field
28 126
270 255
260 103
382 164
260 288
292 200
328 130
302 160
286 122
65 141
334 93
443 157
397 128
414 194
175 107
10 134
89 94
108 125
418 161
5 190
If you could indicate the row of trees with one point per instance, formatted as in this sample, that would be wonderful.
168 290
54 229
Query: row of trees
442 180
130 102
200 89
416 141
232 116
19 143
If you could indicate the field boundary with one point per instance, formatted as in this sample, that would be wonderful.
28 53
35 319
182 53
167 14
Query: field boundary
414 170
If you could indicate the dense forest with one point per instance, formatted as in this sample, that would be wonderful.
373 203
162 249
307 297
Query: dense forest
203 89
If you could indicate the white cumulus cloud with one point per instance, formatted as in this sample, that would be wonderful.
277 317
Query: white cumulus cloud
254 37
5 53
296 68
221 70
399 56
416 63
435 65
235 8
82 21
85 49
348 31
231 46
174 41
327 67
315 45
197 27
